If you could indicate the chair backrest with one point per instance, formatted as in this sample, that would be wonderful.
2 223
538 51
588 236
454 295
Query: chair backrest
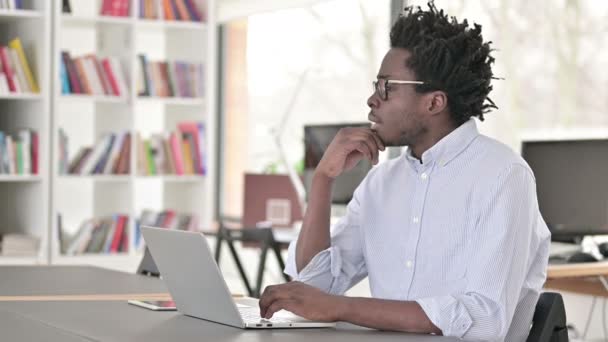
270 198
549 321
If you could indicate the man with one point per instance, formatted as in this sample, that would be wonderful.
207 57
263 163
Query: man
449 234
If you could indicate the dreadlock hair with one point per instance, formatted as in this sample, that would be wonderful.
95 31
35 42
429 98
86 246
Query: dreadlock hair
449 56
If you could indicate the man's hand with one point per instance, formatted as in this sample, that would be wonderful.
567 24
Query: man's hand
301 299
350 145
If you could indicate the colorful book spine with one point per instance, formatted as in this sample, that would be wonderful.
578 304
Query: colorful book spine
65 81
31 81
7 69
193 10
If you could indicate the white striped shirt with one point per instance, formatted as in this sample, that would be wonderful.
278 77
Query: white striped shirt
460 233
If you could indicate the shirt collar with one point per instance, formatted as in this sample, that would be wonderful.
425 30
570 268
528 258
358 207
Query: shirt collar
446 149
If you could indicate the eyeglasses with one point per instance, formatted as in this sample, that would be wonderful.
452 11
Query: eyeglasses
382 86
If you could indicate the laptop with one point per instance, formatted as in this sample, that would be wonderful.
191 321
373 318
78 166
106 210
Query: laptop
198 289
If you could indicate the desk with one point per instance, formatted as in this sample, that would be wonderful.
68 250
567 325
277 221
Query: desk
69 321
78 282
14 327
119 321
584 278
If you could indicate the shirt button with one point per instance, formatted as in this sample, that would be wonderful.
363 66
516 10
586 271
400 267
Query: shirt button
416 219
424 176
409 264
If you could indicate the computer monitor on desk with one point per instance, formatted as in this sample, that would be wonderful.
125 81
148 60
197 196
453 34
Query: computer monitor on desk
572 185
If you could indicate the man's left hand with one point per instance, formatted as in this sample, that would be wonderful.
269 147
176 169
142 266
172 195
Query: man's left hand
301 299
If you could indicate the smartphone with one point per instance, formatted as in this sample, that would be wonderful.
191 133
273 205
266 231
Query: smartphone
156 305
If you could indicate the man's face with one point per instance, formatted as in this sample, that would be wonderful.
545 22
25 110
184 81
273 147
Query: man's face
398 120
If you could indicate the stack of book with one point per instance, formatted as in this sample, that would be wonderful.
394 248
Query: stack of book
92 76
15 73
110 155
169 79
186 10
178 153
18 245
115 8
19 153
11 4
98 235
169 219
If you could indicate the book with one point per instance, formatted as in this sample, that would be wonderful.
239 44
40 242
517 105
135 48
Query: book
175 79
35 144
107 244
7 69
73 79
124 161
82 75
182 10
93 76
65 81
19 72
168 10
151 167
81 237
97 153
3 161
112 78
11 155
26 152
31 81
119 233
192 128
113 157
193 10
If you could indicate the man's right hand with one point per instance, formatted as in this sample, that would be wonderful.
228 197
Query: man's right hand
350 145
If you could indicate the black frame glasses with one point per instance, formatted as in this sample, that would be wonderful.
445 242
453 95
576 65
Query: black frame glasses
381 86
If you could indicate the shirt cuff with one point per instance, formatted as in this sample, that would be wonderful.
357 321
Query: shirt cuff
321 269
448 314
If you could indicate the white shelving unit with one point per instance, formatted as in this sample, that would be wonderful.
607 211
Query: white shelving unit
25 205
85 118
31 203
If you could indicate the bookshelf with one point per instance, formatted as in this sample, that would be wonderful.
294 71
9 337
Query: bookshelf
31 202
25 208
85 118
21 14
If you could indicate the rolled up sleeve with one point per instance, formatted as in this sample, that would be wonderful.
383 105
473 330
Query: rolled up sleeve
500 259
339 267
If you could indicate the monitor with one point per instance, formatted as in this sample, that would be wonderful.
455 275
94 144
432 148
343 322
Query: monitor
571 183
316 140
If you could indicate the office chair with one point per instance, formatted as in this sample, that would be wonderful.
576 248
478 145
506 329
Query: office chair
260 237
549 321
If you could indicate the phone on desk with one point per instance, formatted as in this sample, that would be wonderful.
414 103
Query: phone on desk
156 305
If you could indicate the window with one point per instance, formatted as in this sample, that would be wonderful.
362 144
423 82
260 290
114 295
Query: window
300 66
551 58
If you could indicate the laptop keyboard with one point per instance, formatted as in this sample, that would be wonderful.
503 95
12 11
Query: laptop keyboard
252 315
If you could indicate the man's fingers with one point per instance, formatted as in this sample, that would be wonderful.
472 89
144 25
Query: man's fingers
370 144
379 141
373 141
279 305
365 149
272 294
